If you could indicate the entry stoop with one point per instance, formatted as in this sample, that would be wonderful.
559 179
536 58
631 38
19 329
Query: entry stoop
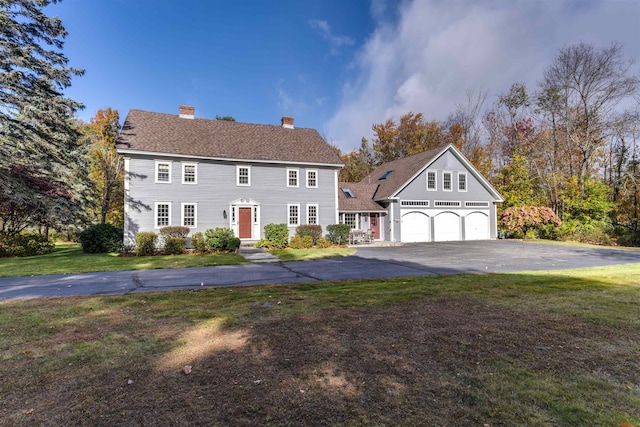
248 252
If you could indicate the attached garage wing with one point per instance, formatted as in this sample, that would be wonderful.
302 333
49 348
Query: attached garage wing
446 227
415 227
476 226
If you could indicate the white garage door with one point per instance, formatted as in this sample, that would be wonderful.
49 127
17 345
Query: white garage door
414 227
476 226
446 227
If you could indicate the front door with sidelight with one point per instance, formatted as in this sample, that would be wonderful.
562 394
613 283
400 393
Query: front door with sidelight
245 223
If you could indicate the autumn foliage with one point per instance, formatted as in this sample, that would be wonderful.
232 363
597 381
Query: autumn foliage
523 218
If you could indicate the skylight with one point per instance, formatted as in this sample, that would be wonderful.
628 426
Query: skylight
347 192
385 175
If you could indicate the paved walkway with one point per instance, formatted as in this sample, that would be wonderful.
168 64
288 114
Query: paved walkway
386 262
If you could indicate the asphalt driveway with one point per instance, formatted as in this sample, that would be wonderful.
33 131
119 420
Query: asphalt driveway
416 259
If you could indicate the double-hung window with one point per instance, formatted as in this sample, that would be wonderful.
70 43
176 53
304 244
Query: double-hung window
312 214
292 177
162 214
189 173
243 175
431 180
462 181
163 172
446 181
294 214
189 215
312 179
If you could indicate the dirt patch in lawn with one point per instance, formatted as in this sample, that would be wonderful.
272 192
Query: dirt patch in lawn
448 361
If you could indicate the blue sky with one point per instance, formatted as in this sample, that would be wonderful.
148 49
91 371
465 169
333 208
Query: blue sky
336 65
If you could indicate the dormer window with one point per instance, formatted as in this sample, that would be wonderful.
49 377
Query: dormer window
347 192
385 175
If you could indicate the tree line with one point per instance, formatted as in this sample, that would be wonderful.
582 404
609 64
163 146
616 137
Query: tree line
569 144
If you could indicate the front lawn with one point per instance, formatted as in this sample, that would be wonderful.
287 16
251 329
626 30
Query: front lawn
536 348
310 254
69 258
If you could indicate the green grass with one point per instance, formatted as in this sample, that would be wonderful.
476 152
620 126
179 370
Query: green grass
532 348
310 254
69 258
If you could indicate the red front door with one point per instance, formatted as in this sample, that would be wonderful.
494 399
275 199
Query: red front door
375 225
244 227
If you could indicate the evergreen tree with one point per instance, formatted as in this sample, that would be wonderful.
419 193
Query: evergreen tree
38 136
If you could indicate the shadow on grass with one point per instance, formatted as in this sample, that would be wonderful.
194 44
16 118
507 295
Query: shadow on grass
507 349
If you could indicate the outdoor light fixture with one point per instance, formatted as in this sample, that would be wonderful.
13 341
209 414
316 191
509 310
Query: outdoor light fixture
224 213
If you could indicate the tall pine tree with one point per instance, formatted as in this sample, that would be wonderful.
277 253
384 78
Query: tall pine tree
38 135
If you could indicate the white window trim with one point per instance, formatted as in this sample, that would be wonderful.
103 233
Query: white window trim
195 215
317 213
435 180
248 168
289 205
155 214
450 180
316 172
163 162
195 173
466 182
297 177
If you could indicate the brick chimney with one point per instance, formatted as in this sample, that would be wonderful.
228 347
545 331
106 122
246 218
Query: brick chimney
187 112
287 122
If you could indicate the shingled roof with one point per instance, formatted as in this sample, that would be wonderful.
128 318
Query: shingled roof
403 170
363 200
145 131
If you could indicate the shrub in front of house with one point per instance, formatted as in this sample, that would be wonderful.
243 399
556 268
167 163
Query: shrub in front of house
174 246
197 242
277 234
298 242
174 232
263 243
312 230
339 233
101 238
221 239
24 244
146 243
323 243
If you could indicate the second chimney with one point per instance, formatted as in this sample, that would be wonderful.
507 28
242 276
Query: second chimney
287 122
187 112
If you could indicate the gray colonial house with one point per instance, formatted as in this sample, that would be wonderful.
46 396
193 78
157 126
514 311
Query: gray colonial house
436 195
202 173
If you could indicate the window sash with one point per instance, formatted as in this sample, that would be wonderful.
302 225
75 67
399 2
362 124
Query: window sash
312 214
431 180
189 215
312 179
293 214
292 177
163 215
189 172
163 172
462 181
243 175
446 181
349 219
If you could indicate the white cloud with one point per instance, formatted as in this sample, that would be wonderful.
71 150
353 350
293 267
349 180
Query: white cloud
335 41
427 58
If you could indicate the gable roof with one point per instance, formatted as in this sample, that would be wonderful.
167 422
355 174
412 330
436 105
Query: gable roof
363 200
407 168
159 133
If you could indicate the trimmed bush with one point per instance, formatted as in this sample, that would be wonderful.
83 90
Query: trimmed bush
323 243
263 243
314 231
174 245
221 239
197 242
26 244
338 233
174 231
298 242
101 238
277 234
146 243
